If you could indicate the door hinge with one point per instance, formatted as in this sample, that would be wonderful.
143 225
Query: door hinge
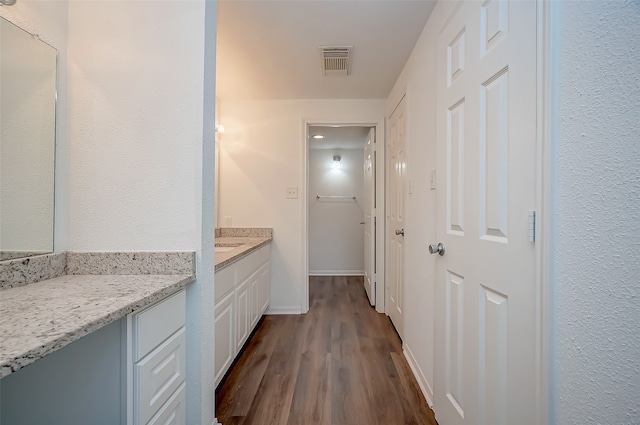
532 226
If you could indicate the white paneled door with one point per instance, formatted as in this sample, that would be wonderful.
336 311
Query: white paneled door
485 363
396 183
369 216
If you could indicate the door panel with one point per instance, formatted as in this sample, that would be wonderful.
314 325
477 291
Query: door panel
396 184
455 168
369 217
485 369
454 345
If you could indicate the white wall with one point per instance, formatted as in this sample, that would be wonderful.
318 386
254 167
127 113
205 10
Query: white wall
141 119
336 237
261 153
135 139
595 328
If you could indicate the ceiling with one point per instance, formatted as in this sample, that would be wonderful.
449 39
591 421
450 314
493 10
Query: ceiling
268 49
351 137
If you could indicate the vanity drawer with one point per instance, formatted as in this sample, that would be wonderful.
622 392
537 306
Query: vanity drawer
252 262
158 376
174 412
157 323
225 280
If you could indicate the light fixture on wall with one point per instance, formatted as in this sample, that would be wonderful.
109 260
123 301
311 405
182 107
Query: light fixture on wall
220 128
336 161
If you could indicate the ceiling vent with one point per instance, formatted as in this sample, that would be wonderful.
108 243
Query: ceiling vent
336 60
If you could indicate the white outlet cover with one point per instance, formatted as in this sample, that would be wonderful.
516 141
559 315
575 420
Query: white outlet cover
292 192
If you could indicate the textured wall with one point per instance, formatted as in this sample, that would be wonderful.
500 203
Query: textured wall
136 124
335 234
596 284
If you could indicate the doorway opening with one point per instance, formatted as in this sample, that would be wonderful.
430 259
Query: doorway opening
345 189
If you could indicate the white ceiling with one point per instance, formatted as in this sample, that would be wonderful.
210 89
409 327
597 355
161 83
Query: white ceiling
352 137
268 49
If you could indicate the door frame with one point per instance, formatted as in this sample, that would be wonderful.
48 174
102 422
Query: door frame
544 182
380 205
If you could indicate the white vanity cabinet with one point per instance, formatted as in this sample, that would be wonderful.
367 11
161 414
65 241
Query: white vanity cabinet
241 297
157 366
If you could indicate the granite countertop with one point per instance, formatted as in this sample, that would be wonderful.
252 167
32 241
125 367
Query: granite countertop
50 301
42 317
241 246
38 318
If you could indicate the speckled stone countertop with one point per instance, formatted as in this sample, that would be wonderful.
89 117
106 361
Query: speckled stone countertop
243 242
39 318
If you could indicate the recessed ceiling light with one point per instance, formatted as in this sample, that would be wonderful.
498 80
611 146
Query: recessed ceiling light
318 136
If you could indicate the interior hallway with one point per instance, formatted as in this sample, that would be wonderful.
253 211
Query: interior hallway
340 364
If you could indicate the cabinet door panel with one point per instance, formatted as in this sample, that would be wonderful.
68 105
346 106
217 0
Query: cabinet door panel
264 289
242 313
224 335
254 300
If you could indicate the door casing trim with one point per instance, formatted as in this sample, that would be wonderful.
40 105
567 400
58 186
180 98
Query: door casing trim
304 198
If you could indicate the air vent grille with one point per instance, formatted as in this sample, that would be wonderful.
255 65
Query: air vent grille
336 60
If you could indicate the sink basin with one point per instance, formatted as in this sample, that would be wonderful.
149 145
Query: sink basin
228 244
224 248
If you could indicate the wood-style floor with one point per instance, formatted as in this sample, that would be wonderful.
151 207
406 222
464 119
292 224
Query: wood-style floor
339 364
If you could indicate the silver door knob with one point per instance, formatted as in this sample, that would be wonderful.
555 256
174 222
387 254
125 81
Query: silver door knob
437 249
400 232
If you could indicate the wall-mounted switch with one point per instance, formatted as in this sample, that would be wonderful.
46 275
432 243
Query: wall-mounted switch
432 179
292 192
228 220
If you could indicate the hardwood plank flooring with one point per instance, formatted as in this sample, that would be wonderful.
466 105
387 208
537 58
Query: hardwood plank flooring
339 364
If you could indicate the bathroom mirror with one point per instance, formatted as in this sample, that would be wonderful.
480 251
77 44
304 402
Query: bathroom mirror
27 142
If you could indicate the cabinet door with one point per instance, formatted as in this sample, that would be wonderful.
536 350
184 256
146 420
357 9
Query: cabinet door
243 309
224 335
255 300
264 288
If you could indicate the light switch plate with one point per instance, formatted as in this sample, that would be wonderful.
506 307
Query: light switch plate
432 179
228 221
292 192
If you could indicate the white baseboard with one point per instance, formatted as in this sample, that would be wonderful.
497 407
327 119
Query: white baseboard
284 310
427 391
336 272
